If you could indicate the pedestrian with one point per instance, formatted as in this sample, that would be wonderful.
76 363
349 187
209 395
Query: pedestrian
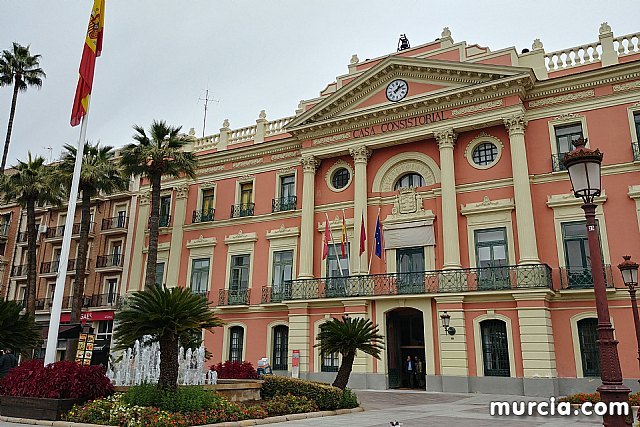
8 361
410 371
420 372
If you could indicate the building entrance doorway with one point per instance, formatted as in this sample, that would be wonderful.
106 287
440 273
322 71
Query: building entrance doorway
405 338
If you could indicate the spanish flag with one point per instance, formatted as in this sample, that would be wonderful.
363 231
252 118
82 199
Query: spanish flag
92 49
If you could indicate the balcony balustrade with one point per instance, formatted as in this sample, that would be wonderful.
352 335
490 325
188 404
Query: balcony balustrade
19 270
556 162
581 278
111 260
88 301
284 204
22 237
203 215
242 210
163 221
115 223
58 232
234 297
635 147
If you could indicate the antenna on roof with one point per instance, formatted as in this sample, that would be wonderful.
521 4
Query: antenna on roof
206 100
403 42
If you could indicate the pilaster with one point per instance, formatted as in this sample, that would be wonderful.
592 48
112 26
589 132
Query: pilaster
177 232
309 166
360 156
299 332
446 139
527 243
453 348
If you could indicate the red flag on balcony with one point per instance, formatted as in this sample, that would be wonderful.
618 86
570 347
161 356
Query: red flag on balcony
327 237
363 236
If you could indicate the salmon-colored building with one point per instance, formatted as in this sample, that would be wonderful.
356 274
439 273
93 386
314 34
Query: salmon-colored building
457 149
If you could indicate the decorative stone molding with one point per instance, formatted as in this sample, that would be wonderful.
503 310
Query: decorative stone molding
162 247
240 238
408 201
360 153
145 198
537 45
480 139
627 86
403 163
201 242
283 232
487 205
445 32
476 108
335 224
182 191
207 185
605 28
211 169
515 124
245 163
446 138
576 96
338 165
568 199
354 59
332 138
310 164
285 155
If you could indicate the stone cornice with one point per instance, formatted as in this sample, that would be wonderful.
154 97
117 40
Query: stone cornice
201 242
487 205
568 199
283 232
220 158
240 238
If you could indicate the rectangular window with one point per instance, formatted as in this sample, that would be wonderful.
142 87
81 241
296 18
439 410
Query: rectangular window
246 193
330 361
111 291
200 275
280 347
287 186
5 220
165 211
566 134
105 329
116 253
160 273
121 218
492 258
410 267
577 259
336 281
282 271
636 122
207 199
236 338
239 273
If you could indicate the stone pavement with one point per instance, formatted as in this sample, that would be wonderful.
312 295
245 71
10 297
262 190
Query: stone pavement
419 408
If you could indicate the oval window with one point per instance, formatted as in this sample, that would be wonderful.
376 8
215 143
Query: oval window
485 154
340 178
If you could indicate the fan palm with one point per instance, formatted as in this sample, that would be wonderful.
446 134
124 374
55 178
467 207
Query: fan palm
20 68
30 186
346 336
99 174
165 315
17 331
160 152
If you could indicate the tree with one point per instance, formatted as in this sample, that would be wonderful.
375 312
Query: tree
17 331
30 186
346 337
99 174
20 68
154 155
167 316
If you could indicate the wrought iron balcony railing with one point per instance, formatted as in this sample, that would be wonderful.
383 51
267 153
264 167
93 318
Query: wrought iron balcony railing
22 237
556 162
581 277
19 270
111 260
58 232
163 220
101 300
204 215
284 204
425 282
201 292
244 209
234 297
635 147
49 267
115 223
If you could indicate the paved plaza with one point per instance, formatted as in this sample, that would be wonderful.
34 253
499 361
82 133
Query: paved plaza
419 409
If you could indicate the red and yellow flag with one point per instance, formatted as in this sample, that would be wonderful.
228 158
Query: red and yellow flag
92 49
343 240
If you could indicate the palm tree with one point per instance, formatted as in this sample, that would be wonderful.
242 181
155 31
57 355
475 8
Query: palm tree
99 174
346 337
30 186
156 154
167 316
20 68
17 331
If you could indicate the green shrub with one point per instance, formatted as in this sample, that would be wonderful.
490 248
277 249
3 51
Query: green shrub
324 395
289 404
349 399
581 398
184 399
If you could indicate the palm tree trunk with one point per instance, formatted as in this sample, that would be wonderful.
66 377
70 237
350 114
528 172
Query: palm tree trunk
168 379
152 253
12 113
32 235
81 262
342 378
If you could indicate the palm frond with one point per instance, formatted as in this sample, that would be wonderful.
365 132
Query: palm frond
349 335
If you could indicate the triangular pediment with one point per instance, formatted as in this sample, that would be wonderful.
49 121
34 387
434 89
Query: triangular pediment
426 79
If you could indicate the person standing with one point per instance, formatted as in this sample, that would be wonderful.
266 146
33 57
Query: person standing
8 361
410 371
420 373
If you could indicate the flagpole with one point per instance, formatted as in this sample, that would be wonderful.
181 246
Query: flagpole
374 241
334 245
56 308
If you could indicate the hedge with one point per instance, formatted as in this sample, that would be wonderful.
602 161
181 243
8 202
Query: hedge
327 397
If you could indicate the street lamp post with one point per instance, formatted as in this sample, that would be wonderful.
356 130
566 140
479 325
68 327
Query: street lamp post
629 270
583 165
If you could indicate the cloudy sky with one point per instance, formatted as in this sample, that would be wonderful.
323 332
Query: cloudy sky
159 56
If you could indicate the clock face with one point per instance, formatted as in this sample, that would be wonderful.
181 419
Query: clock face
397 90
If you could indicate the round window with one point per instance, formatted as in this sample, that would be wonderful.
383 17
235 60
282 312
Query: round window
485 154
340 178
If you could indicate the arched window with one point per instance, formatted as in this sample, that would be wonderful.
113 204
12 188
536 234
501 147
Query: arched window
236 338
280 347
495 348
588 336
409 180
329 361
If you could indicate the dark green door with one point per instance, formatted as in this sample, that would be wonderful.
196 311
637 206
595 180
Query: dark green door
410 267
492 258
393 352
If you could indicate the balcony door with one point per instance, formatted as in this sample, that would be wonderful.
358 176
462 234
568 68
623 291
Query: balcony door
492 258
336 280
577 258
410 267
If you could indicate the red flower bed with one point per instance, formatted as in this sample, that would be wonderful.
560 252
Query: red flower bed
235 370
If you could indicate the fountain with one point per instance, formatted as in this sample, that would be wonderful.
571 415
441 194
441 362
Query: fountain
141 364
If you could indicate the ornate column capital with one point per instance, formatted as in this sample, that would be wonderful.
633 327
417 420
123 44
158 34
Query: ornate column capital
182 191
310 164
360 153
515 124
446 138
145 198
